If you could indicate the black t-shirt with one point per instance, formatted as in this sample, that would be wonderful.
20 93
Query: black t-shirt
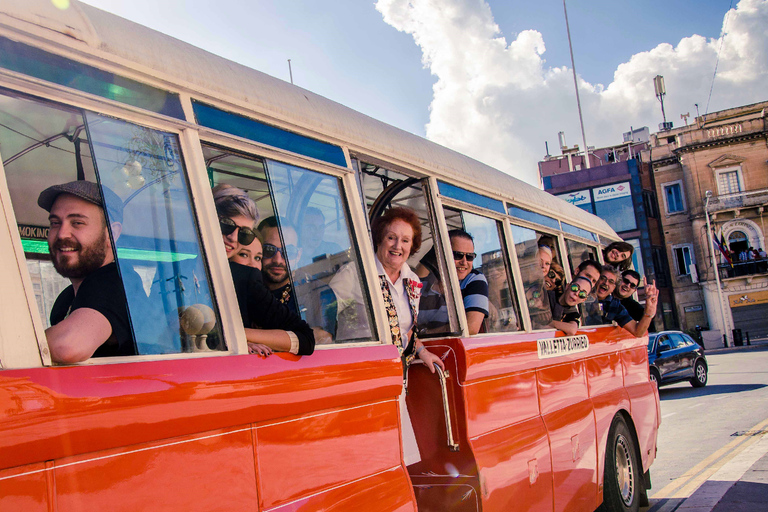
102 291
636 311
259 307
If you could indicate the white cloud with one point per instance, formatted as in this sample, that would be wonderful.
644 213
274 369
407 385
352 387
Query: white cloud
498 102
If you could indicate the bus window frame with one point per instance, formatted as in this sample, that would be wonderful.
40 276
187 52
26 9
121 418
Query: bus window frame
203 210
358 219
23 353
541 230
511 259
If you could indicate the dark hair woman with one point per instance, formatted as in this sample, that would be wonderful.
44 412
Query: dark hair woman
279 329
619 254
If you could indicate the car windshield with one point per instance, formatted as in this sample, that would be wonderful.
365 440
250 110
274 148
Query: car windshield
651 340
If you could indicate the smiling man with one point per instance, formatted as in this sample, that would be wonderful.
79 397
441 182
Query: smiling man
276 258
609 308
630 280
90 317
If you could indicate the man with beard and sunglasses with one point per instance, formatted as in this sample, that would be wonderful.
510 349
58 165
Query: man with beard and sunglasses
630 280
433 309
565 313
90 317
276 257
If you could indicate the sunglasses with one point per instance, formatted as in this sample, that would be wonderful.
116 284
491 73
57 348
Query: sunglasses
288 252
628 283
575 288
245 236
552 274
458 256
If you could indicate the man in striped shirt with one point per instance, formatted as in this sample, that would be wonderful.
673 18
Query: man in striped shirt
433 311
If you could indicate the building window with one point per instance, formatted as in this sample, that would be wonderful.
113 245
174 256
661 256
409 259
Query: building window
660 266
673 196
650 204
613 203
684 262
729 181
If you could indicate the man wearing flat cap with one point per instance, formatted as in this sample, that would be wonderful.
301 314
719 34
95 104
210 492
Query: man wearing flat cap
90 317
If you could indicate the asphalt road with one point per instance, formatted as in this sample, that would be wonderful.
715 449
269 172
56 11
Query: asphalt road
703 429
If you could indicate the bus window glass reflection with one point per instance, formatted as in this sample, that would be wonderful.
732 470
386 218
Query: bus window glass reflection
541 269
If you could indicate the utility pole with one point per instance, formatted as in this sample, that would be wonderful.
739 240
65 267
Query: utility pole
576 85
714 264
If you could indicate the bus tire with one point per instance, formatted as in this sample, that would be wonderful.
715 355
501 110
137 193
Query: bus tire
622 481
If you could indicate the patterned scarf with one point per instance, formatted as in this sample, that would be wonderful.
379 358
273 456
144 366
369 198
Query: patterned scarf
413 288
286 296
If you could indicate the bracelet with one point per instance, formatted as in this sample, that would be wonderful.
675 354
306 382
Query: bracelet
419 350
648 316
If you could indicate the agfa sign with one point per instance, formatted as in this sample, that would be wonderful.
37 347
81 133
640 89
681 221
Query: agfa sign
614 191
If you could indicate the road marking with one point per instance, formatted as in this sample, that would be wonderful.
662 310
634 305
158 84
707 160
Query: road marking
683 481
706 497
695 406
668 415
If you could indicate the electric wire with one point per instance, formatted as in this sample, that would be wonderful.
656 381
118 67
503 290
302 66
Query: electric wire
717 62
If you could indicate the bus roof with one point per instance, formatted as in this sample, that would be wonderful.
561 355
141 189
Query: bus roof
85 31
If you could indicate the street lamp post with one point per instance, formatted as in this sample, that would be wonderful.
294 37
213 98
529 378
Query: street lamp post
714 265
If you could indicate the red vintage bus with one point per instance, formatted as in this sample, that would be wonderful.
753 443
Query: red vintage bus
522 419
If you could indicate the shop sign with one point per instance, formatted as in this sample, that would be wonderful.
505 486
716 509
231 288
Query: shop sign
33 232
576 198
748 299
614 191
693 309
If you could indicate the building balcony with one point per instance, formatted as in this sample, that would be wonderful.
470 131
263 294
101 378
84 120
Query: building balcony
738 201
746 269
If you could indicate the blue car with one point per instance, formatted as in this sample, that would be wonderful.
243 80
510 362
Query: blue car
674 356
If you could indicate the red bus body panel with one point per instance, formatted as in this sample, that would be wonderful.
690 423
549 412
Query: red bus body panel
323 432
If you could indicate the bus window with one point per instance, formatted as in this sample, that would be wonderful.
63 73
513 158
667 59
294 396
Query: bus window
159 239
541 269
158 269
579 252
311 210
383 188
490 263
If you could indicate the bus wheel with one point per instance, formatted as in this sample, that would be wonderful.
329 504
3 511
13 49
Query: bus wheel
622 479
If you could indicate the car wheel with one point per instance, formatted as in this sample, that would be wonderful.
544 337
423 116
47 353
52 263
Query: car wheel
623 476
699 379
655 378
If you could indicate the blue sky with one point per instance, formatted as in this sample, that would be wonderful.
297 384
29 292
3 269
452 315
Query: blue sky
490 79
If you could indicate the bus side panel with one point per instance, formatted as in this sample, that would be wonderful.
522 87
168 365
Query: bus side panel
305 456
208 472
568 414
643 399
498 402
605 377
388 491
24 488
515 467
60 412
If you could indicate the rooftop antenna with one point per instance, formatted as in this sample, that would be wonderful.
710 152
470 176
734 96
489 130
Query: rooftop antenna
685 117
290 71
576 85
661 91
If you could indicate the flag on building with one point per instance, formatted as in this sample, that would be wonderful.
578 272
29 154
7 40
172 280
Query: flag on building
721 245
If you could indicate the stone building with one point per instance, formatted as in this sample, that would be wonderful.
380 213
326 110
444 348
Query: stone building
619 188
716 167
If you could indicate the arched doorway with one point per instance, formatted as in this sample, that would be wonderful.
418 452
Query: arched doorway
738 241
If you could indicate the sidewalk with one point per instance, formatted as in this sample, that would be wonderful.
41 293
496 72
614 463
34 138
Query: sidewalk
741 485
761 344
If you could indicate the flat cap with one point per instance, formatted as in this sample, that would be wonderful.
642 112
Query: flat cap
86 190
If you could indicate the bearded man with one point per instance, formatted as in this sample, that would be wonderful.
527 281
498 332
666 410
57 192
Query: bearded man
90 317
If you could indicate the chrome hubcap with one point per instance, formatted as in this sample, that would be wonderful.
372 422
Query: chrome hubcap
624 470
